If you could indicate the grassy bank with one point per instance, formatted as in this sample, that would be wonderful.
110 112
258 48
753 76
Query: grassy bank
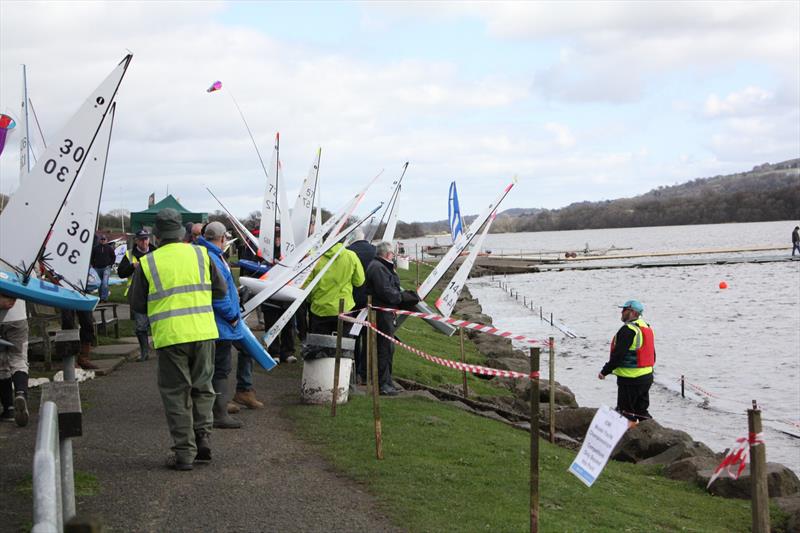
447 470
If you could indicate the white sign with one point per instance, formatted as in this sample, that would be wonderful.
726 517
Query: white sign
604 433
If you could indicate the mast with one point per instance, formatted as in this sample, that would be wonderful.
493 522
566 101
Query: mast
25 145
277 184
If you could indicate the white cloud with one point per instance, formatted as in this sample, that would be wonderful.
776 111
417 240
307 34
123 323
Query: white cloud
563 135
748 101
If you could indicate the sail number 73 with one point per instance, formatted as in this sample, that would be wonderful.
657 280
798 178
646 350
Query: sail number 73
75 154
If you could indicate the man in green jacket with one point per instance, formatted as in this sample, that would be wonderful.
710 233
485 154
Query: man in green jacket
336 284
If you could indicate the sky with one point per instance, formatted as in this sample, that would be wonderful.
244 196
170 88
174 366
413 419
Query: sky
579 100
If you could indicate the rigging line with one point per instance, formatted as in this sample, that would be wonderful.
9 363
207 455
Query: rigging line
393 198
236 226
250 133
316 184
38 126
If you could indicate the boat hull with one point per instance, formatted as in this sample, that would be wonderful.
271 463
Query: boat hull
45 293
253 348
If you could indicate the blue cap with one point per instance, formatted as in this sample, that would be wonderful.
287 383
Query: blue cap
636 305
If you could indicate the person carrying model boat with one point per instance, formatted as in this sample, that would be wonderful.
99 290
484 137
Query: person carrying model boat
383 284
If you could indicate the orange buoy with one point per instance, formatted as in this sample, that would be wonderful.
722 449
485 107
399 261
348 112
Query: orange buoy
723 285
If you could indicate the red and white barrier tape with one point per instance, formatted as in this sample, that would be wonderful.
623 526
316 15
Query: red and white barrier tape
737 456
483 328
473 369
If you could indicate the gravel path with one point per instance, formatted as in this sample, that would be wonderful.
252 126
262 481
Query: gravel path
262 477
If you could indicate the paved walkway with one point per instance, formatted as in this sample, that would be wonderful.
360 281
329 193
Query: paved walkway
262 478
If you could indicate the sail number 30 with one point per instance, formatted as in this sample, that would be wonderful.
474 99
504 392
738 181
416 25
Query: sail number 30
67 149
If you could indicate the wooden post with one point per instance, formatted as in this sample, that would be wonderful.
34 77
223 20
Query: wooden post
759 495
535 352
416 254
551 319
376 407
338 361
683 389
540 313
552 379
367 338
463 372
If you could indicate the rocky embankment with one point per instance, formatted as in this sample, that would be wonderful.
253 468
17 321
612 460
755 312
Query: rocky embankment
647 443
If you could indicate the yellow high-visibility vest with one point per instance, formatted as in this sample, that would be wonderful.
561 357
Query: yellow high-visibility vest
133 261
179 294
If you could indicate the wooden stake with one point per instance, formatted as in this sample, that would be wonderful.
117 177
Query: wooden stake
552 381
376 407
463 372
535 352
683 389
759 494
338 361
416 253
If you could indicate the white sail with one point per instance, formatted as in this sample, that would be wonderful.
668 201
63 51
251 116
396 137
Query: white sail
269 206
287 315
287 233
369 233
447 300
455 250
274 283
391 221
25 223
304 204
70 245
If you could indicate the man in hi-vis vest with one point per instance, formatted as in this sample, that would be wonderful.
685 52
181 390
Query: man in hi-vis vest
633 355
174 285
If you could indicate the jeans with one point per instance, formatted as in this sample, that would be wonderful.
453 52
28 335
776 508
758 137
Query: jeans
104 274
244 372
142 323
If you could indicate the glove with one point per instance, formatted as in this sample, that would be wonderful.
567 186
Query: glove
409 297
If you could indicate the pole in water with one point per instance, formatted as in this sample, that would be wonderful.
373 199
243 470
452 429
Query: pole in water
683 388
551 319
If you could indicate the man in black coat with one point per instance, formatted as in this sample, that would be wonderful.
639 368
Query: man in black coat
383 284
102 259
366 253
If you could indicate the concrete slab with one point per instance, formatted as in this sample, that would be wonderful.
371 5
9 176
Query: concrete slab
107 366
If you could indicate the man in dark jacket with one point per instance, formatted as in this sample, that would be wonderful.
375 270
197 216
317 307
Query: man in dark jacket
128 265
796 240
366 253
383 284
102 259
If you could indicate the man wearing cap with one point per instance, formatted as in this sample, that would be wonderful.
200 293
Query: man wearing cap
175 286
126 268
227 317
102 259
633 355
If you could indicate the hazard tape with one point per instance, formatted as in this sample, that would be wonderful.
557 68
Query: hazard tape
737 457
483 328
473 369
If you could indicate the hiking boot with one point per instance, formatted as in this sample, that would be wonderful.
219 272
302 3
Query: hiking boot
174 463
144 347
222 419
248 399
233 408
21 415
203 447
289 359
83 358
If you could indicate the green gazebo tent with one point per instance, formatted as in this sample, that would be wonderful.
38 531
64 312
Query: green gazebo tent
147 217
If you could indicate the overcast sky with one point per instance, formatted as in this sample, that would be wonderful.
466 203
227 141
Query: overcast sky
580 100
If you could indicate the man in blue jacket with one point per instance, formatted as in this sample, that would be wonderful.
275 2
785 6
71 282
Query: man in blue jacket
227 316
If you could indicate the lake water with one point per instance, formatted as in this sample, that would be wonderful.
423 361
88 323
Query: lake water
735 345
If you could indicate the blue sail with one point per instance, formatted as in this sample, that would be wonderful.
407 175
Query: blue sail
454 213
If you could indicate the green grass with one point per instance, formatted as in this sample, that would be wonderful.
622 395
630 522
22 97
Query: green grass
447 470
86 484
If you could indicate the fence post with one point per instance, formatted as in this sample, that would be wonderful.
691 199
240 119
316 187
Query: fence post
759 494
463 371
552 380
376 408
683 388
535 353
416 254
337 363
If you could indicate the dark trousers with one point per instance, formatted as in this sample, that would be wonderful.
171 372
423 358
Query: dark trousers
283 345
633 397
385 348
361 353
323 325
222 358
85 320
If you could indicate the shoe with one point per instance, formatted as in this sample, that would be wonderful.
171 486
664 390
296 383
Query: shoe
233 408
222 419
203 447
84 363
289 359
388 390
175 464
248 399
21 415
397 386
7 415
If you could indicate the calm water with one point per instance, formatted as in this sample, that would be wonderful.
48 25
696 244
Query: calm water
737 344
